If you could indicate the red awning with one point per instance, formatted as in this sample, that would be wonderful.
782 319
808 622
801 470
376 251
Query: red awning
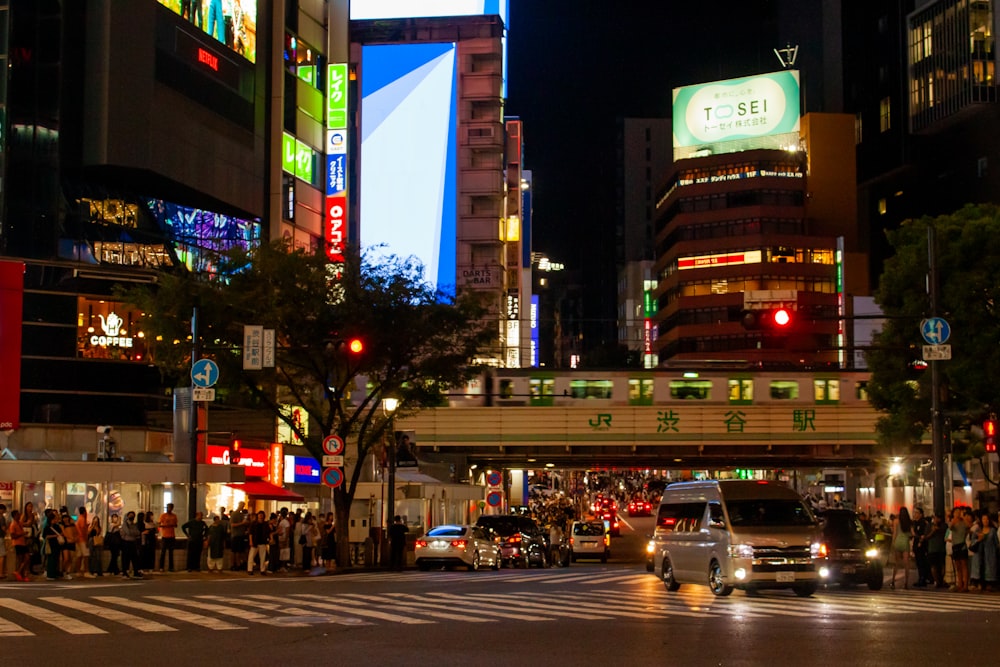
266 491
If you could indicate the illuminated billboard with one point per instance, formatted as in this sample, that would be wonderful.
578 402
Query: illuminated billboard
753 112
409 155
199 236
231 22
362 10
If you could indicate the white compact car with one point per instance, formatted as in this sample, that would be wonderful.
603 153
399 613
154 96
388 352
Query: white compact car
590 539
449 545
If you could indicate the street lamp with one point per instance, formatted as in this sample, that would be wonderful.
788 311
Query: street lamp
389 406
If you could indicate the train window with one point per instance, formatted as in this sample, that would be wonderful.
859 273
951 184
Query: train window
506 389
640 391
542 391
827 391
782 390
861 390
741 390
697 389
590 388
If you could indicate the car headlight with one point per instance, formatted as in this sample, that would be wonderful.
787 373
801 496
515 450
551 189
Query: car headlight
650 547
741 551
816 550
871 554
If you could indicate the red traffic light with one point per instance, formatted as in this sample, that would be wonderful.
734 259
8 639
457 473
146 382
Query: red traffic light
781 318
356 346
989 433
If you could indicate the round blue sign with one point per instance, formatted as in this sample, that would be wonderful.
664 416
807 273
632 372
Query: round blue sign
935 330
493 479
494 498
333 477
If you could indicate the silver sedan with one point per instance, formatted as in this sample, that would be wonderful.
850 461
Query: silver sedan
448 545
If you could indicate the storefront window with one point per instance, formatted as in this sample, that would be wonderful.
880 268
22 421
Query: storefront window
109 330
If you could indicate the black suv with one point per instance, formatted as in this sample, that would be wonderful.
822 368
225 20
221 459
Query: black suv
522 542
851 555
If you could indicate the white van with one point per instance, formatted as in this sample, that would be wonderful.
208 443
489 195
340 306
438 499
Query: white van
737 534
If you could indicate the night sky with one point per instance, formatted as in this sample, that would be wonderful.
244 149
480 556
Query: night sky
576 65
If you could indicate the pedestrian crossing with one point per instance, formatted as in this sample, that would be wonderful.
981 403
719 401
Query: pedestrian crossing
100 614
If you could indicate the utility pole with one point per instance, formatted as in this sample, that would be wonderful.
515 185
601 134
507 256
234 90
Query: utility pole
937 433
193 421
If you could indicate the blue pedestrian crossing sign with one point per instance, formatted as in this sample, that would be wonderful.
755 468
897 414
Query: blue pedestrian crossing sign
935 330
204 373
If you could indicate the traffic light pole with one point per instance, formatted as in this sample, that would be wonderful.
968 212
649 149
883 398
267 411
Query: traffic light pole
193 421
937 433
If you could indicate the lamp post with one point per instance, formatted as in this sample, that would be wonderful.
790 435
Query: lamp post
389 406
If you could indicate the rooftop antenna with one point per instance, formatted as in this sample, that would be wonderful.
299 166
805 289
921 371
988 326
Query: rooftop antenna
787 55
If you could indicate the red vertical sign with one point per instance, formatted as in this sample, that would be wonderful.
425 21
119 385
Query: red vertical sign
11 300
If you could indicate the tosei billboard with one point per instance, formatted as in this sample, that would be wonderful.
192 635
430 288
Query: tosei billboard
709 114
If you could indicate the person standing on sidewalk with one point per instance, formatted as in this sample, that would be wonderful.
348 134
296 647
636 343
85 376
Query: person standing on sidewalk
130 547
113 541
4 539
82 558
397 543
239 521
216 544
921 526
260 540
53 548
168 535
196 531
19 541
95 542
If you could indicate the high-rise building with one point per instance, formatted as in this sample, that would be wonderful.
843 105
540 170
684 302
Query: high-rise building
140 136
756 214
434 149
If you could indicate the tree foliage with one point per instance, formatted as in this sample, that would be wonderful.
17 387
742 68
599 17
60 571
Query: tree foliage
417 343
969 293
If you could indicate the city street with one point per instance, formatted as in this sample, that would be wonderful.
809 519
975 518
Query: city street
588 613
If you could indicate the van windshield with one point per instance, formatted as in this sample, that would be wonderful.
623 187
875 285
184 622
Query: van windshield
768 512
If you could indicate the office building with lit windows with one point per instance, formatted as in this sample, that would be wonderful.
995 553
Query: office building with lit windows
756 213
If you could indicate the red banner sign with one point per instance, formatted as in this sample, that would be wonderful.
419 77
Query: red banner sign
11 308
335 228
256 461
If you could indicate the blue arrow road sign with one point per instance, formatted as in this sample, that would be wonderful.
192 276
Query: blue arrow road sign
935 330
204 373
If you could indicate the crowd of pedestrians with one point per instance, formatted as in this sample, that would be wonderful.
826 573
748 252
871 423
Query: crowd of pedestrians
968 536
66 547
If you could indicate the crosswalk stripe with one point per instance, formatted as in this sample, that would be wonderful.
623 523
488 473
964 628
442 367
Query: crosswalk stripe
11 629
734 607
170 612
621 607
240 614
457 603
340 608
65 623
415 607
291 611
520 604
135 622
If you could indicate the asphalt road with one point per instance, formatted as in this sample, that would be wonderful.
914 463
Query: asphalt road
586 614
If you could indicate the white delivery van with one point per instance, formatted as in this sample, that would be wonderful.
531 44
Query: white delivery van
748 534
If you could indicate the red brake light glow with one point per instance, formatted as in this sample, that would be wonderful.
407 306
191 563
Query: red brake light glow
459 544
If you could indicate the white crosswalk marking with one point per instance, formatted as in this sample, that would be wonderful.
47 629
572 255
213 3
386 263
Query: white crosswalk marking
340 608
65 623
623 596
241 614
131 620
176 614
291 611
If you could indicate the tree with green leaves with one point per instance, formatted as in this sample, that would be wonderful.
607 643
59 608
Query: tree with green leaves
968 260
417 343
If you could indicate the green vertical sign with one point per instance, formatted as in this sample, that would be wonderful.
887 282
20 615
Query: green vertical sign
336 96
288 153
647 304
303 162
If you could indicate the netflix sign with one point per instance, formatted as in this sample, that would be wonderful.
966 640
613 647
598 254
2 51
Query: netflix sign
11 299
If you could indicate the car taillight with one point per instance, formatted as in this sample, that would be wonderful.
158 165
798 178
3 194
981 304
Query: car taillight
824 551
459 544
572 541
513 539
421 544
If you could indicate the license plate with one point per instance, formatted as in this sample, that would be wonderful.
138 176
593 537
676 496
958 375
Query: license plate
588 543
784 577
847 569
439 545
